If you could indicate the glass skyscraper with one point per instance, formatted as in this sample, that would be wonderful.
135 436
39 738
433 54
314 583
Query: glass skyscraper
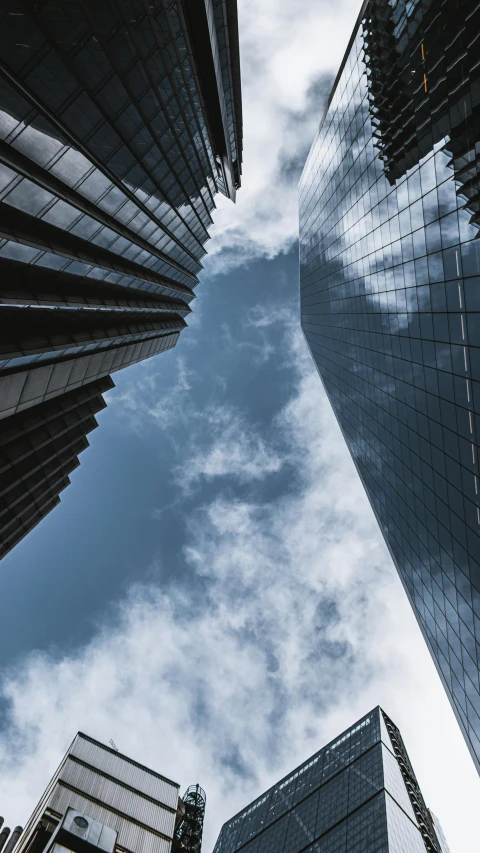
390 302
358 794
119 122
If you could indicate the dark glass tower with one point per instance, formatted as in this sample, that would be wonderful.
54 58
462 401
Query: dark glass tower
390 302
358 794
119 122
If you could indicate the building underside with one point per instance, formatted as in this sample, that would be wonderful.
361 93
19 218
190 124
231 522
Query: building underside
119 123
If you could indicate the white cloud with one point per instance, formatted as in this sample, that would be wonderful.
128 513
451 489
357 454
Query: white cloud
235 449
140 402
290 55
294 625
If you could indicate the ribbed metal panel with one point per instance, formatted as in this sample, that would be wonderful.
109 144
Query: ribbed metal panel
130 835
125 771
112 794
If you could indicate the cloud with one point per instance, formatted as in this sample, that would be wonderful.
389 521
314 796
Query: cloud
234 449
289 623
290 55
140 402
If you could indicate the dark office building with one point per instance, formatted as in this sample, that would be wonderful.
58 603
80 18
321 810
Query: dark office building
390 302
100 801
358 794
119 122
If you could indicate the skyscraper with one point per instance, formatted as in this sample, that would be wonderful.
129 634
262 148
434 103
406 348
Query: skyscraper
119 122
358 794
390 284
439 833
100 801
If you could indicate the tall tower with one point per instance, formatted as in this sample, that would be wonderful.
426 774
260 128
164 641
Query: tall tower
358 793
100 801
390 272
119 122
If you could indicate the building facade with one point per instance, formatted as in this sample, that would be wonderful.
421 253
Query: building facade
390 284
439 833
119 122
100 801
358 794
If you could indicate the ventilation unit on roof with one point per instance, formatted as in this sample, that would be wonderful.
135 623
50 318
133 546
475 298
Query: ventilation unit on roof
82 834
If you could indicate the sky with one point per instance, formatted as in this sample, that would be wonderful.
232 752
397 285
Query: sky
213 592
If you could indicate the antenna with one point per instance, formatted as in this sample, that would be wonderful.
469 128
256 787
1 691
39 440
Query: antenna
114 746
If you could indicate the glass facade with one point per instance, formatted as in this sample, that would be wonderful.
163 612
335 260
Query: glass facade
356 795
390 302
39 449
119 122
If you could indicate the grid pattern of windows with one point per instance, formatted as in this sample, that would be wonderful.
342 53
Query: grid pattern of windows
359 804
402 834
38 450
368 830
119 122
390 283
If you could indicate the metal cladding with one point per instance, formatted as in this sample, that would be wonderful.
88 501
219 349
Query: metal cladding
13 838
79 832
119 122
119 795
4 835
9 839
389 276
357 793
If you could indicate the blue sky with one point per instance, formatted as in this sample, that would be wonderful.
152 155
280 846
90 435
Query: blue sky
213 591
125 517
